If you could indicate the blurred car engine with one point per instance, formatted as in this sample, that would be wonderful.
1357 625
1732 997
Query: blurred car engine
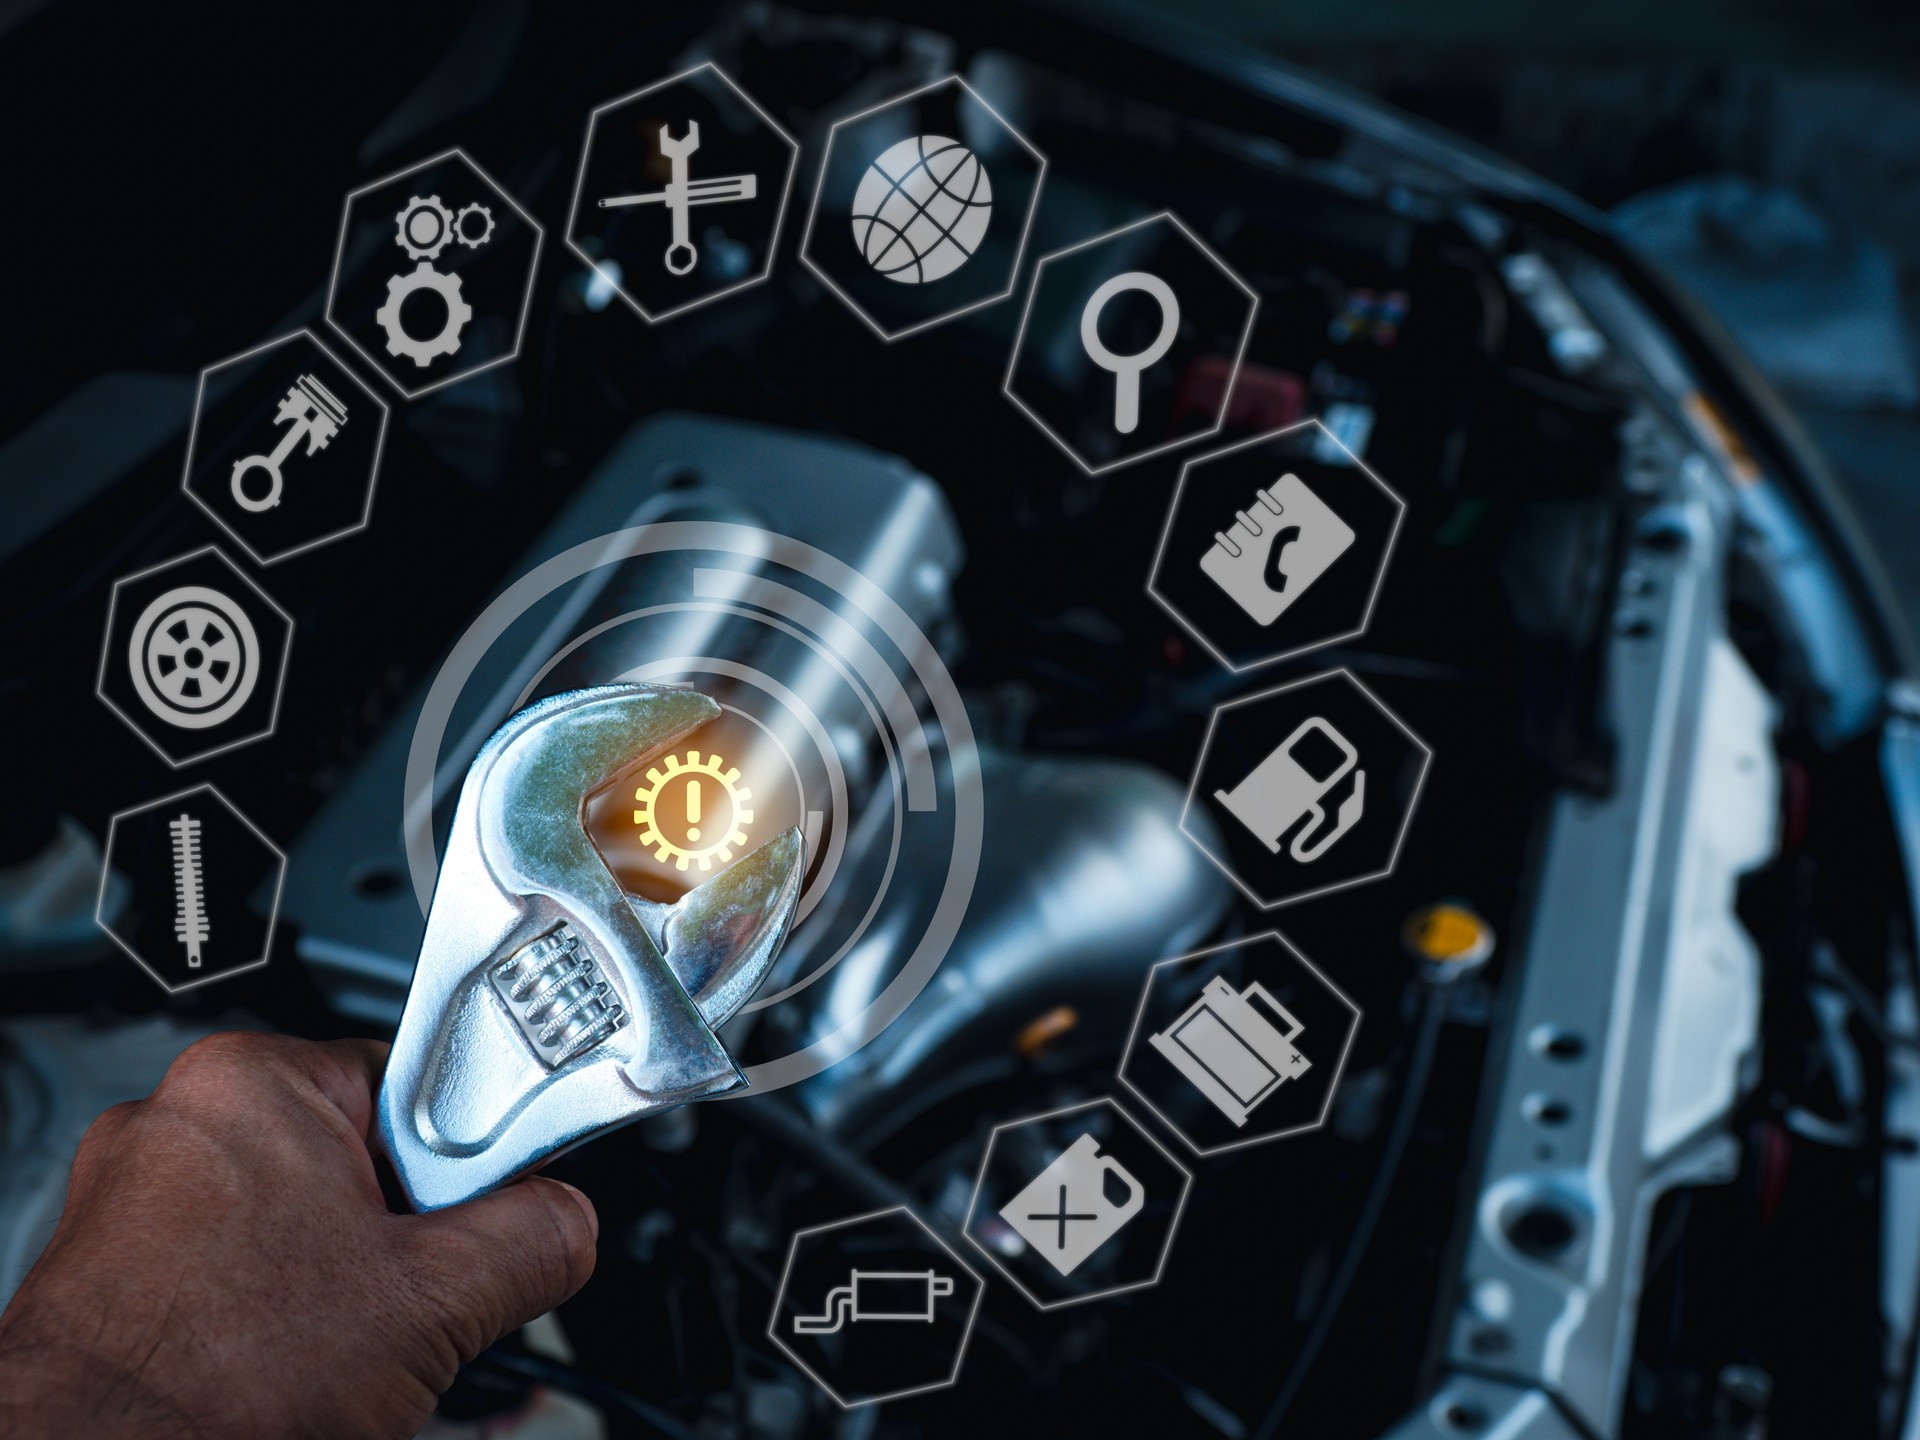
1580 1183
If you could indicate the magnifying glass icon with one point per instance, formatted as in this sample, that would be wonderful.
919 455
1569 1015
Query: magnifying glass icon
1126 368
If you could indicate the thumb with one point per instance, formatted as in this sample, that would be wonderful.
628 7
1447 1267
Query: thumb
507 1257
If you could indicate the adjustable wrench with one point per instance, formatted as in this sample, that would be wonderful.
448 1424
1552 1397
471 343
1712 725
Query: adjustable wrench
683 194
548 1005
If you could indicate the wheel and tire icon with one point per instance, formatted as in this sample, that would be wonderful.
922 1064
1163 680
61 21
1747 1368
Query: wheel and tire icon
194 657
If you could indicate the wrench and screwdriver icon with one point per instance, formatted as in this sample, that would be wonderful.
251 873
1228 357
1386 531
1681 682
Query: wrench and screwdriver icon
308 410
682 194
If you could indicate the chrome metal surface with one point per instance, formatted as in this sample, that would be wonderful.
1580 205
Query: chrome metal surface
558 996
1900 1198
492 1074
1085 881
347 899
1638 1005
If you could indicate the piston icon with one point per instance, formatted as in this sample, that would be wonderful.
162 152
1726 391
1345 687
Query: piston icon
309 409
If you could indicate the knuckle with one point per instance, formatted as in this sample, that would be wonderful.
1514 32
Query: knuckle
110 1122
225 1049
210 1067
104 1134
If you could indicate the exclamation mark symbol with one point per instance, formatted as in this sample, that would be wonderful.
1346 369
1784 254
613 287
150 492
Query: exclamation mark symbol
693 810
190 914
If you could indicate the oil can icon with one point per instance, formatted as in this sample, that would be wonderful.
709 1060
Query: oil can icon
1083 1214
1232 1053
1284 789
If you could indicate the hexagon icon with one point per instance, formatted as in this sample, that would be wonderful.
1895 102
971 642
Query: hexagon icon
1077 1204
1310 787
285 447
1239 1044
1275 546
923 208
433 275
875 1307
195 656
190 864
681 192
1123 340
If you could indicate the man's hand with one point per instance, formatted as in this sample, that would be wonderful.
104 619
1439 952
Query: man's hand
226 1265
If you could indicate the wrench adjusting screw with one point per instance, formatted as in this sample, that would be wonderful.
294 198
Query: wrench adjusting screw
558 997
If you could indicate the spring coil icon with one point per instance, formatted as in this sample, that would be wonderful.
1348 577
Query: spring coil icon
190 908
557 995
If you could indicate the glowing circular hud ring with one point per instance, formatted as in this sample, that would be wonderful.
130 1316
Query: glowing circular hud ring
950 717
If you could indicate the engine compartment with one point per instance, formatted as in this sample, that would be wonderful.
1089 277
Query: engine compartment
1659 779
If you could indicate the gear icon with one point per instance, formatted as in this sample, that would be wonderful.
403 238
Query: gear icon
447 287
485 216
423 227
709 835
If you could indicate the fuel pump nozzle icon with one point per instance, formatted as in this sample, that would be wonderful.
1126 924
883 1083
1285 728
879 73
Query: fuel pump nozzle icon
1281 791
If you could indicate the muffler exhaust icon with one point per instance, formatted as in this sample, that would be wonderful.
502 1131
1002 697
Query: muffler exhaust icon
1282 790
878 1295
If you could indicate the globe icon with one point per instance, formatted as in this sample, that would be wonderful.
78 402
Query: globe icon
922 209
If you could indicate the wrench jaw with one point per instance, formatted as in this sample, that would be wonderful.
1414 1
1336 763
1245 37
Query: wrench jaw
721 939
472 1097
679 147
